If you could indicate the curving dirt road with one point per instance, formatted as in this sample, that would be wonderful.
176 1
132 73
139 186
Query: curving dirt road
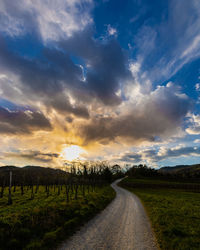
123 225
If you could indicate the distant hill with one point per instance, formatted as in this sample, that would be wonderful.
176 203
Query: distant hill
191 170
31 174
42 169
7 168
31 168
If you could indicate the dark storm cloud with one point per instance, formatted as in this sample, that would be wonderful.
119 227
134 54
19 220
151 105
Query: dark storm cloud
54 71
105 64
159 114
133 126
62 104
106 72
56 78
22 122
131 157
33 156
44 76
46 79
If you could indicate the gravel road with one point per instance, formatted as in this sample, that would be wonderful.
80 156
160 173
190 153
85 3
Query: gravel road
123 225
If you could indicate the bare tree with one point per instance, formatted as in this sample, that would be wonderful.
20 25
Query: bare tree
10 188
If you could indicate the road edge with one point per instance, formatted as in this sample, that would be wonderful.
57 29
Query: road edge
146 212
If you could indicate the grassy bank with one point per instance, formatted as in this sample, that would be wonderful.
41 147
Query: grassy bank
174 213
42 222
157 183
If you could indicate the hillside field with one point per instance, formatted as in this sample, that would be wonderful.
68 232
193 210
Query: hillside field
42 222
174 213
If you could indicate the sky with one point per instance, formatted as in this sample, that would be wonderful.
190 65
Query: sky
109 80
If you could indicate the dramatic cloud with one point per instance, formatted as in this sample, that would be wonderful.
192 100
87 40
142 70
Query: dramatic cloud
68 76
62 104
105 65
22 122
43 76
56 72
157 114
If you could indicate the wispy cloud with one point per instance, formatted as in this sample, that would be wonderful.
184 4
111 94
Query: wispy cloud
52 20
111 30
179 32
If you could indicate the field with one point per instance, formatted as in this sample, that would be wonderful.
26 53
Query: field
157 182
44 221
174 213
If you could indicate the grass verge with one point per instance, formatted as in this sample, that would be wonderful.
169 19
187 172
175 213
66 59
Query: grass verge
174 214
45 221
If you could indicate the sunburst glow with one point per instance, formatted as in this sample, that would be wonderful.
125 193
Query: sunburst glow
72 152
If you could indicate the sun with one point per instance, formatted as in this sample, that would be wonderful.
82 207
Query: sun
72 152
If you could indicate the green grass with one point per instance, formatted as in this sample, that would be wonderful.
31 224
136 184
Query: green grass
174 214
43 222
157 180
156 183
149 180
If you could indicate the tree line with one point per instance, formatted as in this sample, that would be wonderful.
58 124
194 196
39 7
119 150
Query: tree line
180 173
76 178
